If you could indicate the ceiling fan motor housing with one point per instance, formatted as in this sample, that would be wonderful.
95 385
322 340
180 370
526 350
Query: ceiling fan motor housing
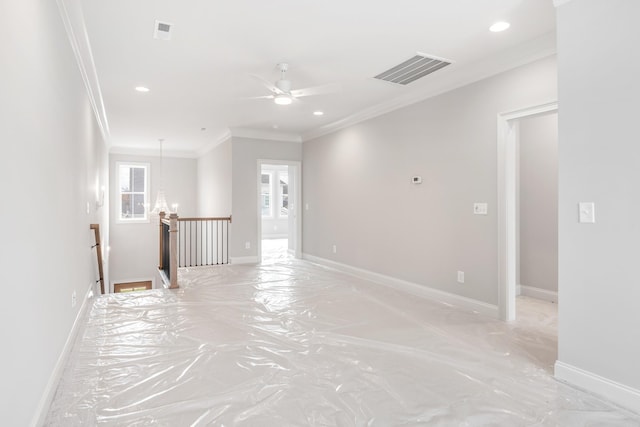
284 85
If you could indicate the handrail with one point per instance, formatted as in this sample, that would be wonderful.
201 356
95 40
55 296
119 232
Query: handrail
212 218
96 232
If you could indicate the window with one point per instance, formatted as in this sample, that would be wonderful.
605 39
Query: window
283 179
265 195
133 192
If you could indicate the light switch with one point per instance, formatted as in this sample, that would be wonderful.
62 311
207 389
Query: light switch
480 208
587 212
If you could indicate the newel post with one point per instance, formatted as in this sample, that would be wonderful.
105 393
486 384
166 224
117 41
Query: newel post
161 242
173 248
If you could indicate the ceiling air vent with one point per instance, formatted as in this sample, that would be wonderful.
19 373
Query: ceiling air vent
162 31
413 69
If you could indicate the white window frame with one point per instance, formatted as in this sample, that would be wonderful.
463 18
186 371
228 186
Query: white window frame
271 199
281 194
119 219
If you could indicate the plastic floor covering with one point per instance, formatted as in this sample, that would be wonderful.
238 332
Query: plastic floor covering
290 343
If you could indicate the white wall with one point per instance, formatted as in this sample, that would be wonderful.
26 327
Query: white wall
246 152
214 181
539 202
134 247
53 157
599 161
357 184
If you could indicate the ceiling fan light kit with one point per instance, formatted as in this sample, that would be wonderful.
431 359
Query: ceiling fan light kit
282 99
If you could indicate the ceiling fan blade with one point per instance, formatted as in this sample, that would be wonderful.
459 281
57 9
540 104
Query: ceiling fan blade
317 90
258 97
266 84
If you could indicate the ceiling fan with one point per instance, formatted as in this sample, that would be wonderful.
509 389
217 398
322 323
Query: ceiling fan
281 91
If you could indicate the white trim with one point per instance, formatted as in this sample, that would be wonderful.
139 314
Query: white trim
84 57
265 134
409 287
620 394
243 260
271 174
147 193
296 178
453 77
210 146
42 410
507 131
152 152
538 293
275 236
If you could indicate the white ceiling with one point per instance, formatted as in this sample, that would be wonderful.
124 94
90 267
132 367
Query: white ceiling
199 78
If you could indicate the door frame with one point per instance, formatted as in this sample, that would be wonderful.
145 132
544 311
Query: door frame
296 211
508 134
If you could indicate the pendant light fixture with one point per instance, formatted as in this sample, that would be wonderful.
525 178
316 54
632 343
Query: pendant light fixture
161 201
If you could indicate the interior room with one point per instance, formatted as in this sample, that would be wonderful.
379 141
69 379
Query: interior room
337 213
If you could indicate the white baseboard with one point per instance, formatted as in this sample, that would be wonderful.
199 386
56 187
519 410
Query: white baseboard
42 410
538 293
275 236
291 252
518 290
243 260
617 393
409 287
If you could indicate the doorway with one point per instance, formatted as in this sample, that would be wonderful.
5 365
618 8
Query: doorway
279 228
508 224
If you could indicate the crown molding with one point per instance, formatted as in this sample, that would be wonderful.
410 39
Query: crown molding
265 134
558 3
74 24
152 152
213 144
459 76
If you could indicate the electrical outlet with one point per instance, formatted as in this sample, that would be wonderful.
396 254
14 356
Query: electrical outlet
460 276
480 208
335 249
247 245
74 299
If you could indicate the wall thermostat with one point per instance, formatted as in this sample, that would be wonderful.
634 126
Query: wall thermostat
416 179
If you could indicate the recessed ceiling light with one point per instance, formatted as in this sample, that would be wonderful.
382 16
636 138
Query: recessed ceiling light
142 89
499 26
318 113
275 126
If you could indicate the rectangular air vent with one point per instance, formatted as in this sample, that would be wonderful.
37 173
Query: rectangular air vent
162 31
413 69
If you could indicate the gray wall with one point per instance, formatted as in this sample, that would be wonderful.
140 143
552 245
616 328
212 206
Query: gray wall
599 161
539 202
134 253
214 181
357 184
53 159
246 152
